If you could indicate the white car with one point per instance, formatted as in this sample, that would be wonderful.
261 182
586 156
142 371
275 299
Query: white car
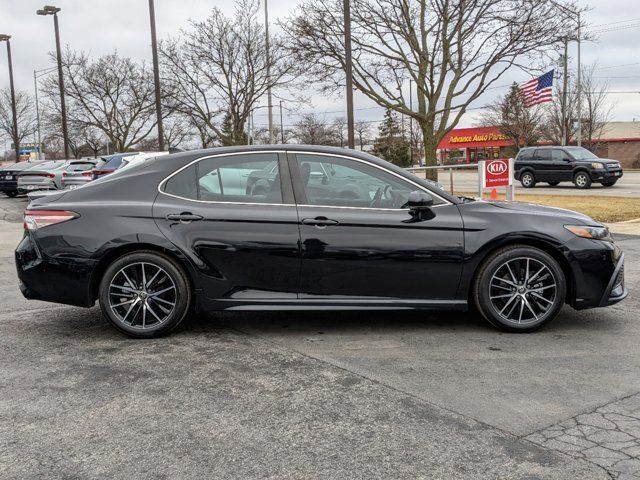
139 157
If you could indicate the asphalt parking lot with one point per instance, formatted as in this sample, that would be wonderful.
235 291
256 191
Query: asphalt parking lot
321 395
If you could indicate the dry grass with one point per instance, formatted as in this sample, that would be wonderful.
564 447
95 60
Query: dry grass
602 209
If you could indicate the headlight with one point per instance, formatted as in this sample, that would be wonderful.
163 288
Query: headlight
597 166
596 233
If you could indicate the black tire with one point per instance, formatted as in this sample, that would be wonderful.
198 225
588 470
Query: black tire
554 184
172 279
582 180
528 180
11 193
486 289
610 183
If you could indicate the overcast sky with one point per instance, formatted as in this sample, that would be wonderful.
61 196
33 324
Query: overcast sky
104 26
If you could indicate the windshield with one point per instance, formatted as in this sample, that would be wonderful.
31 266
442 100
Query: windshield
580 153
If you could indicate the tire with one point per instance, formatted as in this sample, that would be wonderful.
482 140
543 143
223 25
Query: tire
582 180
11 193
554 184
157 313
528 180
511 313
610 183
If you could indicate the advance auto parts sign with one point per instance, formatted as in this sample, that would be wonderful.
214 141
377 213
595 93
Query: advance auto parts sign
497 173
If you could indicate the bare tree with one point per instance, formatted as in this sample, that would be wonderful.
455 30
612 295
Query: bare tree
596 108
521 124
363 132
112 94
312 129
25 115
217 71
451 50
339 125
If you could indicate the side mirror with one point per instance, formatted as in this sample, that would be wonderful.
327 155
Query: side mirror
419 200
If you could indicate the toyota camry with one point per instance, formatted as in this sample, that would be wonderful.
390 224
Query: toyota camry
304 227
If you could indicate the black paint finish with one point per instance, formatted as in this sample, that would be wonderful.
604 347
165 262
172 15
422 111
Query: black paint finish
290 256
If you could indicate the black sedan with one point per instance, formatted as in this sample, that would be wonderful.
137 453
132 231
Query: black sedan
184 232
9 176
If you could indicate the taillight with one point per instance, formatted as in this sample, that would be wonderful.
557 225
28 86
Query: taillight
35 219
87 174
64 174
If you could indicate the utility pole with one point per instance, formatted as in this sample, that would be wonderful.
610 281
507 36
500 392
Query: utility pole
16 142
411 121
51 10
268 59
349 74
579 87
563 104
35 88
281 125
156 74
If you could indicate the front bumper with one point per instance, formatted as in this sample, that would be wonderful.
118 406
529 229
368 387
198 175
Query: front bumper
616 288
606 175
8 185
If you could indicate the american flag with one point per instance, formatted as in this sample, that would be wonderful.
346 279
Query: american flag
538 90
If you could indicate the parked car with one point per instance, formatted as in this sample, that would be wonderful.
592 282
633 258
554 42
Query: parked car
151 244
48 175
79 177
112 163
564 164
128 162
9 176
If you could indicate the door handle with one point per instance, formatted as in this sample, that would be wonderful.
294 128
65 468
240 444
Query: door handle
319 221
184 217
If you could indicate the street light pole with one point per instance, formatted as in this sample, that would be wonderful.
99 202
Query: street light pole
16 142
349 73
35 88
564 95
268 60
51 10
156 74
281 125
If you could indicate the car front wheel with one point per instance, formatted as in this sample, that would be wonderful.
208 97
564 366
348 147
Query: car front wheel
144 294
528 180
582 180
519 289
11 193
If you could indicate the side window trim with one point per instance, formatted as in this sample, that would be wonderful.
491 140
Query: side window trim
286 192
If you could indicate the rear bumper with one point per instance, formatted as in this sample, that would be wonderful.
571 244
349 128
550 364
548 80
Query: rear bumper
24 188
9 186
40 277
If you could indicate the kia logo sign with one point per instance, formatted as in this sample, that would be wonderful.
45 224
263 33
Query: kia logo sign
497 167
495 173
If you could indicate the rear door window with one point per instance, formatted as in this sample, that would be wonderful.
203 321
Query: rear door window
543 155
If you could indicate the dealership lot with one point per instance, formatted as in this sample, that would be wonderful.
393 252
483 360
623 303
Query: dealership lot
290 395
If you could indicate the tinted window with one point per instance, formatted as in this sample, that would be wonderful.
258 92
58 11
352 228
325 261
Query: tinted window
543 155
525 154
79 167
336 181
250 178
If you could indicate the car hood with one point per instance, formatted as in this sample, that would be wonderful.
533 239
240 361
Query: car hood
535 209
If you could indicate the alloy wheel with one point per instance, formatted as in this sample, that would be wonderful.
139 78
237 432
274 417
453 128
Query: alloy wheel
142 295
523 290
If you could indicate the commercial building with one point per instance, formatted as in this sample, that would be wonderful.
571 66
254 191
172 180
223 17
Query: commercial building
618 141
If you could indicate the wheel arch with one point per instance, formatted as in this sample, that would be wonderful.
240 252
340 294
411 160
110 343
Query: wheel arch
525 241
110 256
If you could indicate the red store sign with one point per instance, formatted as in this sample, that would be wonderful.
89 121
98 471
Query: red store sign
496 173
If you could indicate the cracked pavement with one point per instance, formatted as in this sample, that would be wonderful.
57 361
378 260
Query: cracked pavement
316 395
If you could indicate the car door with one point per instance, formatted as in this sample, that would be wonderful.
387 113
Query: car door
358 242
543 165
562 165
244 245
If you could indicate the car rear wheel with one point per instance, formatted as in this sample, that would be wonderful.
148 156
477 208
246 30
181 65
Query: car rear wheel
11 193
144 294
582 180
519 289
554 184
610 183
528 180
